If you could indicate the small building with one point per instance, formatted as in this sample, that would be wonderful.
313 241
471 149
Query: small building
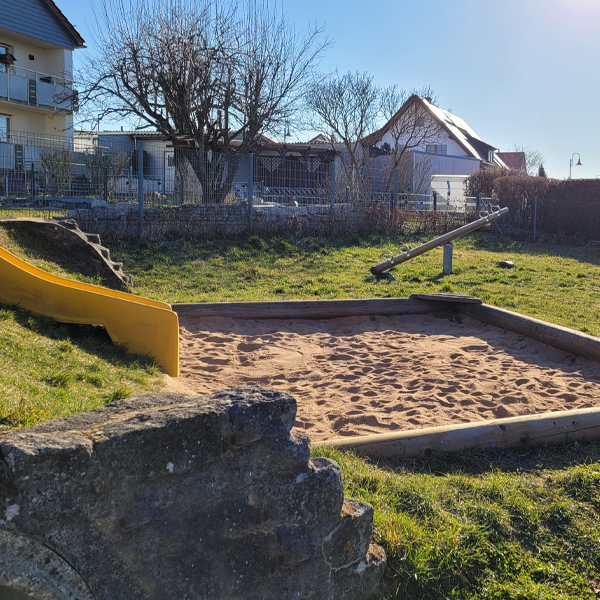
514 160
438 141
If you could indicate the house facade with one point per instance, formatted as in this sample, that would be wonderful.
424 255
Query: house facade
37 99
433 141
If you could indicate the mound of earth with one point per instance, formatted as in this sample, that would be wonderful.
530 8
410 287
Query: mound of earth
62 242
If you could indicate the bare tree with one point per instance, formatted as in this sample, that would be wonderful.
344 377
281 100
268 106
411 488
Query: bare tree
533 158
350 106
347 107
410 127
203 73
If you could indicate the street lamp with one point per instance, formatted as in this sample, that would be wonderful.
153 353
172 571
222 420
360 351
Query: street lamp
571 163
286 132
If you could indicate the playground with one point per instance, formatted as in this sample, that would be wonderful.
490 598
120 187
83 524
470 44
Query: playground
356 368
484 510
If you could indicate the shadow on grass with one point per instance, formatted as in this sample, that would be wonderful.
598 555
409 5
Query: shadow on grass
91 339
40 248
520 460
489 243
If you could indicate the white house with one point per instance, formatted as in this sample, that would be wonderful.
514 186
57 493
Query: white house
37 99
438 140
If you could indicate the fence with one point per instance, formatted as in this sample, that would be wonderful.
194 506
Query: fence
145 186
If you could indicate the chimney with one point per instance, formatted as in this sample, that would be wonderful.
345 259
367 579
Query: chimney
429 99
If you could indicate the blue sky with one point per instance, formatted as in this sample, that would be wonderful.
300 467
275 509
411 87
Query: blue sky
518 71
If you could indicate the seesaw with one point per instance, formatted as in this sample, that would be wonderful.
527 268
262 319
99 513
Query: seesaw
406 253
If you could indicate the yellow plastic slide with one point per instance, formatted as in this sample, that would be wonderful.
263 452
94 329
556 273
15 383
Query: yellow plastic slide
145 326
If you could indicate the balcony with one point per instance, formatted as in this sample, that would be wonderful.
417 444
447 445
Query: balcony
36 90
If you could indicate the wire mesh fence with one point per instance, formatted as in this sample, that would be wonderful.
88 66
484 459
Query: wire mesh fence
118 184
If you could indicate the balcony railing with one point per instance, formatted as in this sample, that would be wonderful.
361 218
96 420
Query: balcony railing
30 88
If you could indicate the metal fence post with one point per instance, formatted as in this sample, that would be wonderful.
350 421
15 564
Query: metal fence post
105 184
478 205
396 186
181 189
140 161
250 190
332 190
32 181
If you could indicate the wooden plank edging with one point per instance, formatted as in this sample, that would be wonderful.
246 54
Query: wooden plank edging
580 425
559 337
310 309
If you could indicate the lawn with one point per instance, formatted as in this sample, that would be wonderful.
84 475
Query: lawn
471 526
560 284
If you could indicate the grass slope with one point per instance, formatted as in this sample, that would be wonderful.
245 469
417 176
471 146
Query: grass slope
485 525
49 370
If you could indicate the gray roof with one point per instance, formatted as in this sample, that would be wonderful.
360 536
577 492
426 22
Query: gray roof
41 20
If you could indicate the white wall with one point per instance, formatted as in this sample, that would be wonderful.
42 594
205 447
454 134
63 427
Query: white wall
453 148
50 61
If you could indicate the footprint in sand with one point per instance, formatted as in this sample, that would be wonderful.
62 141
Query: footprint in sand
340 357
475 348
214 361
501 412
217 339
245 347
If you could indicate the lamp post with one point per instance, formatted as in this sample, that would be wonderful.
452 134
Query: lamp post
286 132
571 162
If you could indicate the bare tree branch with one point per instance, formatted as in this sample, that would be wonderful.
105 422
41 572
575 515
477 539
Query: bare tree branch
201 72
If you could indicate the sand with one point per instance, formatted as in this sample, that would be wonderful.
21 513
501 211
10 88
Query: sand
358 376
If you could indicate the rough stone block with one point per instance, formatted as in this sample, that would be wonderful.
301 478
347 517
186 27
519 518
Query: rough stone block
174 497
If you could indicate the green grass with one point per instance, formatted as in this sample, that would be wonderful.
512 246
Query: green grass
485 525
560 284
472 526
50 370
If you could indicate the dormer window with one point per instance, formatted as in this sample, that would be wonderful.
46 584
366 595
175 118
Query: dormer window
490 156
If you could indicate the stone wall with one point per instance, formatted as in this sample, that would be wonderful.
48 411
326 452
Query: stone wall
169 496
209 220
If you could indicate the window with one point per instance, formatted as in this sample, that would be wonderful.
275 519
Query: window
436 148
4 50
4 128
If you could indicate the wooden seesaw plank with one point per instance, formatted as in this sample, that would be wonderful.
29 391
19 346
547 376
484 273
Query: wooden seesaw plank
580 425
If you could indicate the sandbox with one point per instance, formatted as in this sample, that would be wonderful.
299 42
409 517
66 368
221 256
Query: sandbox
389 367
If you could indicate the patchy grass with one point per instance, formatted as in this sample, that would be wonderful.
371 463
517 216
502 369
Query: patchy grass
497 525
50 370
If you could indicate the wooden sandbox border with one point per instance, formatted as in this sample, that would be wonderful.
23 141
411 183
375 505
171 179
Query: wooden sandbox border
542 429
